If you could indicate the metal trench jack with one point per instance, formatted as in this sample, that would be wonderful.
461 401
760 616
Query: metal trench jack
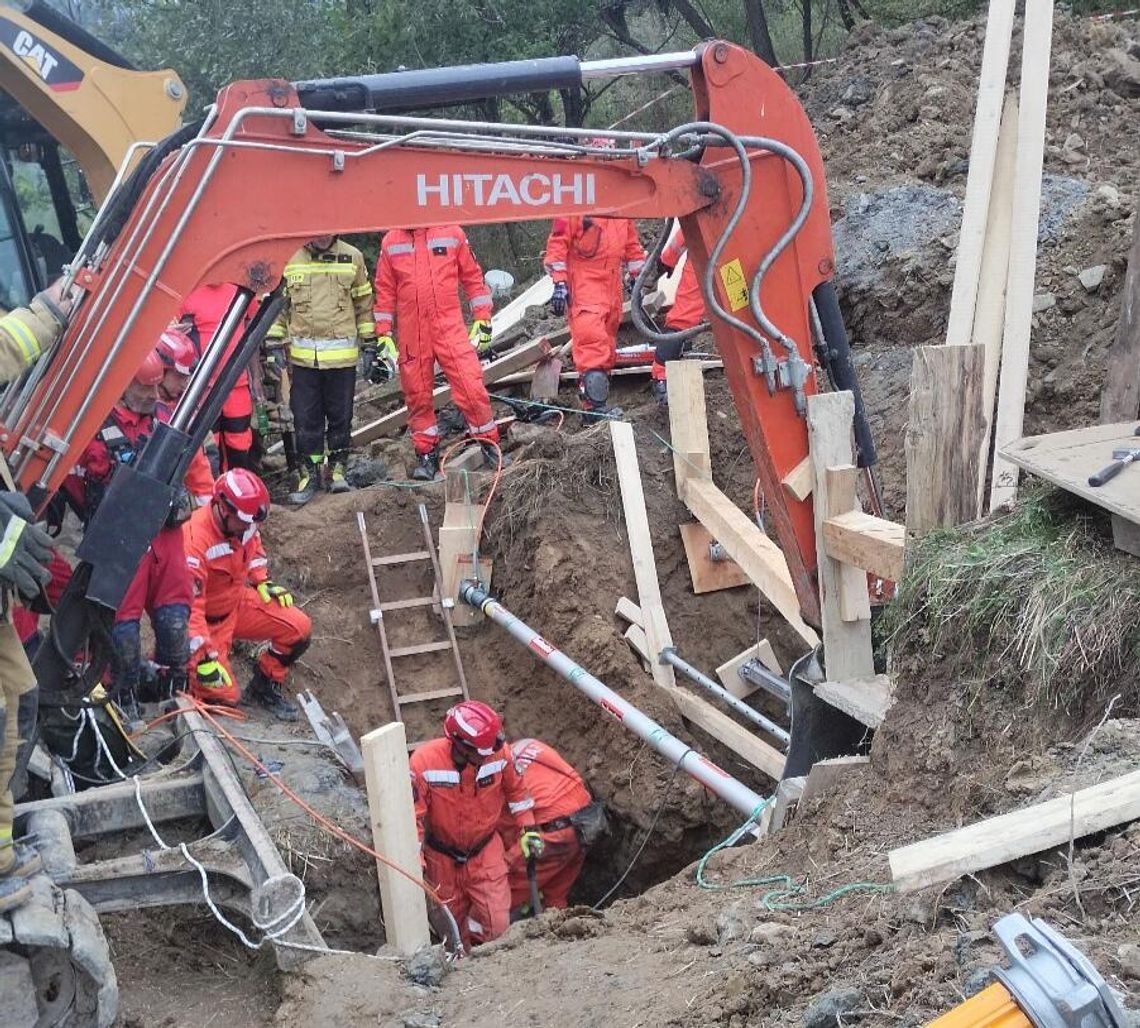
245 872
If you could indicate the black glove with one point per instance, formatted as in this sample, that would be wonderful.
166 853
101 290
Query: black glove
25 550
662 268
559 300
274 363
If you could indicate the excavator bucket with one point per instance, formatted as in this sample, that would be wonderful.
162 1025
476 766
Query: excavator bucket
819 730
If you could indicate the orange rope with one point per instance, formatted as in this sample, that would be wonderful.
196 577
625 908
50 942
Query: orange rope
218 709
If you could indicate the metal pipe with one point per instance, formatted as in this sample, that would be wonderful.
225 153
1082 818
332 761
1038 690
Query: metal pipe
669 746
211 359
646 64
670 656
756 673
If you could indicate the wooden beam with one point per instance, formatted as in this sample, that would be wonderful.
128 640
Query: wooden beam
867 542
989 317
826 774
636 369
943 436
759 558
1036 44
798 481
628 611
983 153
391 811
688 423
854 602
458 540
635 636
729 671
520 357
506 318
998 840
708 575
867 700
641 550
726 731
846 643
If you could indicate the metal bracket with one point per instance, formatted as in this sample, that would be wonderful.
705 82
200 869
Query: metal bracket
300 122
375 616
338 160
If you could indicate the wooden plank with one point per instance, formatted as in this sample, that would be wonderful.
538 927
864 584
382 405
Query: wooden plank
798 481
415 651
854 602
629 611
400 558
788 795
521 357
1120 398
729 671
641 551
825 774
634 369
1125 535
726 731
1068 458
867 542
998 840
867 700
635 636
393 818
432 694
1037 41
979 180
458 539
507 317
847 644
708 575
989 317
688 423
418 601
943 436
759 558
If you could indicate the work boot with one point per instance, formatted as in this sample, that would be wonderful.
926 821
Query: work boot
337 482
269 694
427 470
308 483
660 392
493 457
15 881
594 393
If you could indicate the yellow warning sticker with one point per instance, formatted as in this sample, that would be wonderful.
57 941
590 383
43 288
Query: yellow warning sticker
735 284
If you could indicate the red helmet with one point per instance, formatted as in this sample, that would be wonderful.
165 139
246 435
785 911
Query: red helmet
151 371
244 493
475 724
176 351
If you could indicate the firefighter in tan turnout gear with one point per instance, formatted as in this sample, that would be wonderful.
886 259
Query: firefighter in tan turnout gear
326 322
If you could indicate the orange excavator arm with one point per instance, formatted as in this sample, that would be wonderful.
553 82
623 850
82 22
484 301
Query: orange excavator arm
278 164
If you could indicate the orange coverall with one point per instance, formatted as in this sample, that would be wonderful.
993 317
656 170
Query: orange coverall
418 276
458 814
225 573
558 791
593 256
688 306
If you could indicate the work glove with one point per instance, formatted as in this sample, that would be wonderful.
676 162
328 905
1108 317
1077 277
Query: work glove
531 844
480 334
25 550
211 674
270 591
384 355
559 299
662 269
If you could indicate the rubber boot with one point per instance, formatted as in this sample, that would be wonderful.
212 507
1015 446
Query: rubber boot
267 693
594 394
660 392
337 482
308 483
427 470
494 457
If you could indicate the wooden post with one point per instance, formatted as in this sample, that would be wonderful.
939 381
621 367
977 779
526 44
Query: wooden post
641 550
688 423
458 540
1037 40
847 644
393 818
979 181
943 437
989 317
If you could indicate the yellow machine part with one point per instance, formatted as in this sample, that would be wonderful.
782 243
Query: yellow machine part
993 1007
93 109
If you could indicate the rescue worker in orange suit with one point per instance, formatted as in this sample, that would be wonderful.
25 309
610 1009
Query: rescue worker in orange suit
160 586
176 351
234 598
418 277
590 260
201 313
559 793
687 312
461 784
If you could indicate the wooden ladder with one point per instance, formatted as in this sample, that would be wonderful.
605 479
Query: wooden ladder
435 600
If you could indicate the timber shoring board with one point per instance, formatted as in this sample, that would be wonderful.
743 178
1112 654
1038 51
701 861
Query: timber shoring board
729 671
867 700
726 731
998 840
943 437
708 575
1068 458
688 423
865 541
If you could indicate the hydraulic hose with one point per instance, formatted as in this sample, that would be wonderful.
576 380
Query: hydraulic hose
717 781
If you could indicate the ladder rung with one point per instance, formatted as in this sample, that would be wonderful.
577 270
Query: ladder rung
435 694
401 558
419 601
411 651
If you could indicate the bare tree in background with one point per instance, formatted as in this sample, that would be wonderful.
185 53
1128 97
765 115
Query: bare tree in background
758 35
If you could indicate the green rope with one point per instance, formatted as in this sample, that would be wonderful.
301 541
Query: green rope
781 897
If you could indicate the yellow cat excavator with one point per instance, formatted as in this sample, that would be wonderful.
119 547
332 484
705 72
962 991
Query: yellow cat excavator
71 109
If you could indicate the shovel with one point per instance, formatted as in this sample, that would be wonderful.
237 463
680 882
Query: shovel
532 879
1120 460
